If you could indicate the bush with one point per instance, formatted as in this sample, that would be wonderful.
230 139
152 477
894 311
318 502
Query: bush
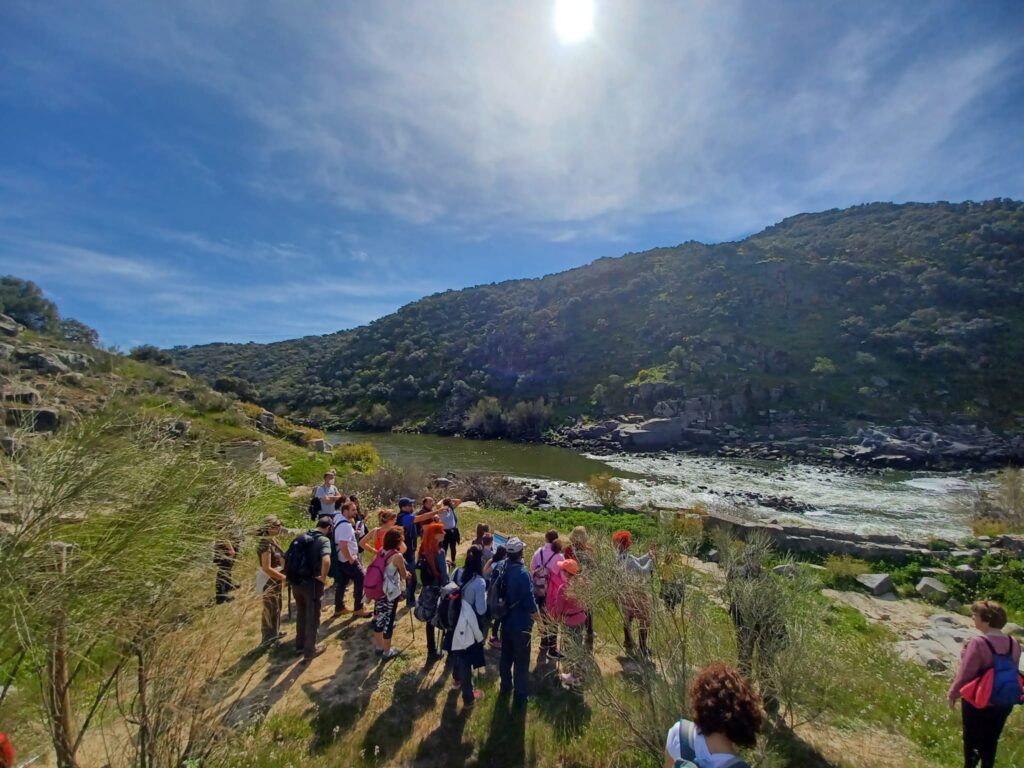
606 490
147 353
993 512
23 301
485 419
529 419
388 484
488 490
841 571
361 457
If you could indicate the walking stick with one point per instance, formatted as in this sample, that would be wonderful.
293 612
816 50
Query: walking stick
289 601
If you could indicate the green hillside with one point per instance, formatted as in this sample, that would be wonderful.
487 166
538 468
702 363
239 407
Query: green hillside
869 312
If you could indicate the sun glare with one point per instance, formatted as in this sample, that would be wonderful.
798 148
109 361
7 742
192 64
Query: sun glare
574 20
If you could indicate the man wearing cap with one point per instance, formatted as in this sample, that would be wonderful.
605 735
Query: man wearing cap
410 523
517 626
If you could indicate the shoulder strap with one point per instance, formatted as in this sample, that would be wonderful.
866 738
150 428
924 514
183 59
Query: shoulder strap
548 562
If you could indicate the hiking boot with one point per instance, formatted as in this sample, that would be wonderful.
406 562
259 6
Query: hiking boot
362 613
496 643
320 648
342 611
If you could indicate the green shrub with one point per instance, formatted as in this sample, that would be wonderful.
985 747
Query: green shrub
361 457
606 490
841 571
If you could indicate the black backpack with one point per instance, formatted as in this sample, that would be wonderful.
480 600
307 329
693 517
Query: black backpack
449 607
497 596
300 561
314 506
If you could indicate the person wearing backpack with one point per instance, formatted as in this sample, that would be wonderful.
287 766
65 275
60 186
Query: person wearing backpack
542 566
467 637
564 607
634 597
410 523
433 568
306 565
514 589
348 568
992 650
450 521
492 570
384 585
582 552
726 715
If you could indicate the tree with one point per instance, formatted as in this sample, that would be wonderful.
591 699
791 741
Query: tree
23 300
485 418
379 417
529 418
78 332
824 366
233 385
147 353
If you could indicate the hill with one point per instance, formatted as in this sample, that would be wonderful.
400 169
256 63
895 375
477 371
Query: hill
878 311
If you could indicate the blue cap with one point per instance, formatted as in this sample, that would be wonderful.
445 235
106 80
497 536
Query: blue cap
406 501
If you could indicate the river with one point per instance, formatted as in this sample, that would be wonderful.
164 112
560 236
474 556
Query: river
915 505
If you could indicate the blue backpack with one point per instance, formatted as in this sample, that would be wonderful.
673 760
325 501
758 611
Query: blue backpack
688 753
1006 682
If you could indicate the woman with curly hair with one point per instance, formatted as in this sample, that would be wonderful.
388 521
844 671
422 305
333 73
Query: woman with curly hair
726 716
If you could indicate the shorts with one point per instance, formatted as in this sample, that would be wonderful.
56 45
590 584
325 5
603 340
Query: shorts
384 612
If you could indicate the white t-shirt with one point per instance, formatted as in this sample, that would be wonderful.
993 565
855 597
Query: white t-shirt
705 758
344 531
326 508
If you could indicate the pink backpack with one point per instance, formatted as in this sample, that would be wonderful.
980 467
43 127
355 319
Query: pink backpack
373 584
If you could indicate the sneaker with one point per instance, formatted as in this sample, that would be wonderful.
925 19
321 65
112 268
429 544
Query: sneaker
391 653
341 612
362 613
495 643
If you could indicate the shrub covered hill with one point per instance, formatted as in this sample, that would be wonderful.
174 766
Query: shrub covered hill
879 312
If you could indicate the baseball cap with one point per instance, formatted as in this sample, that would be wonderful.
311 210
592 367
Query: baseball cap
405 501
514 545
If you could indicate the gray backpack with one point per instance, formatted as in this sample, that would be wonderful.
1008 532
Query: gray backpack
688 753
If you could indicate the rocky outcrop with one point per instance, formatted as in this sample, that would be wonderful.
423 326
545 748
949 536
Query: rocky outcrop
9 326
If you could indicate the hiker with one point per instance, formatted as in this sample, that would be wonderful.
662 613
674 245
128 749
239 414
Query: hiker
433 569
726 716
983 720
270 578
307 563
481 529
582 552
544 560
493 569
348 568
225 552
411 527
384 585
450 521
467 639
325 496
374 540
514 587
359 523
635 599
565 607
487 545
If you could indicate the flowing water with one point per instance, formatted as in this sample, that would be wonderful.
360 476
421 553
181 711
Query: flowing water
917 505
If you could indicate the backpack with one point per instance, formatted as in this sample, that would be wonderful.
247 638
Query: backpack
540 576
426 604
449 607
688 753
314 506
300 561
497 596
373 582
1006 682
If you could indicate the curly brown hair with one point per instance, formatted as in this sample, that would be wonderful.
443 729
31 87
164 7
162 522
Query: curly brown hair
393 538
723 702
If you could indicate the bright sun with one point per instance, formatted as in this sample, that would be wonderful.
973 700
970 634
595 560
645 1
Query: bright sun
574 20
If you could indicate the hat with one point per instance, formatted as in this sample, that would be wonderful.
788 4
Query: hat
569 566
514 545
405 501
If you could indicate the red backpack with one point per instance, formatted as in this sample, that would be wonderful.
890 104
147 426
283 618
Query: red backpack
373 583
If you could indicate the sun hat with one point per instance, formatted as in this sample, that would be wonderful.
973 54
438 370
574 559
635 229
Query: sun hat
514 545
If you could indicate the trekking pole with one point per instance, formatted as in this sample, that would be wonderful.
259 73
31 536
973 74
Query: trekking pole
289 601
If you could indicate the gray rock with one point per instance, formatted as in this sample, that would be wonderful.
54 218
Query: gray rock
9 445
35 419
1014 629
179 373
75 379
181 427
932 589
77 361
714 556
9 326
876 583
953 604
22 395
40 361
267 421
320 445
926 652
790 570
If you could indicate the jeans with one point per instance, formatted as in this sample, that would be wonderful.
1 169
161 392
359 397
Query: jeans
451 541
348 572
308 597
982 728
514 666
224 584
271 620
463 673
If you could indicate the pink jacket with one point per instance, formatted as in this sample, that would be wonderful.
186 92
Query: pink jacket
975 658
545 556
562 606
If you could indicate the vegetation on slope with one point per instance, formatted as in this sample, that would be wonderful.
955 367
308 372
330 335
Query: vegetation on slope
870 311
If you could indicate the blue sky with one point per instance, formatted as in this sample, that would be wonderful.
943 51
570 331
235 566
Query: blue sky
184 172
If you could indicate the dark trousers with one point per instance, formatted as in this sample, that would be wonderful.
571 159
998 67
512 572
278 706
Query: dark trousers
549 629
451 541
982 728
271 621
463 673
348 572
432 633
410 590
514 665
224 583
308 598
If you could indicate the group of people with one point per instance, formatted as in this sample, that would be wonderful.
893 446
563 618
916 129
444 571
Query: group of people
496 596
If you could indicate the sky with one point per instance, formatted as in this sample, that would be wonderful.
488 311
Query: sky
192 171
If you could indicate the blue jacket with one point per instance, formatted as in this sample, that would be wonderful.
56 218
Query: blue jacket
521 602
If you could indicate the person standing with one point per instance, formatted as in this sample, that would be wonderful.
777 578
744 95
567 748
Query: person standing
308 585
410 523
385 607
582 552
492 570
270 578
517 626
327 493
349 569
374 540
433 567
635 598
565 607
991 649
467 639
542 566
450 521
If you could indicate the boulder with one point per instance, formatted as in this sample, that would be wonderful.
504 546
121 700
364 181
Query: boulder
876 583
790 570
928 653
9 326
75 379
181 427
953 604
35 419
468 506
267 421
932 589
321 445
40 361
78 361
714 556
179 373
1014 629
22 395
